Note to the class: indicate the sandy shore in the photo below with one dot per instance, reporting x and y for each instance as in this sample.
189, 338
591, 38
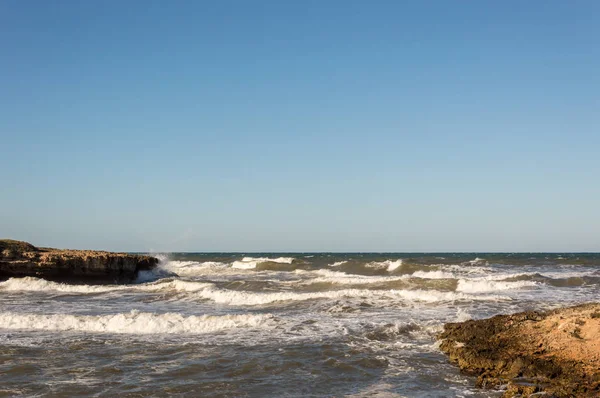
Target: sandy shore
554, 353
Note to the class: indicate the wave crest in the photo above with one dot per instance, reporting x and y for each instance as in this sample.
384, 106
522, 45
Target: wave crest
484, 286
252, 262
245, 298
388, 265
133, 322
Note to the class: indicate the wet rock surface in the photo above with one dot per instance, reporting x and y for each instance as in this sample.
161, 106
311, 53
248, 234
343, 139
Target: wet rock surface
555, 353
23, 259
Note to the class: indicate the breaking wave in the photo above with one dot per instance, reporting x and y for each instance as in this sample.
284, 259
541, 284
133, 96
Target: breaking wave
252, 262
193, 268
433, 275
484, 286
245, 298
208, 290
31, 284
133, 322
342, 278
388, 265
477, 261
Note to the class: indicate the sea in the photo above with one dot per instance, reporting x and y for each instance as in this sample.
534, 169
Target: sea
273, 324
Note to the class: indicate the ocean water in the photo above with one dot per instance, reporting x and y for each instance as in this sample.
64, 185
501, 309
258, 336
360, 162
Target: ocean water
272, 325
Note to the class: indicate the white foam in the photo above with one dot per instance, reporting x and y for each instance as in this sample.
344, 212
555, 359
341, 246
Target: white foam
285, 260
342, 278
389, 265
252, 262
175, 264
194, 268
393, 265
177, 285
462, 315
245, 298
163, 258
501, 277
471, 277
492, 277
244, 264
29, 283
133, 322
467, 269
433, 275
208, 291
483, 286
477, 260
338, 263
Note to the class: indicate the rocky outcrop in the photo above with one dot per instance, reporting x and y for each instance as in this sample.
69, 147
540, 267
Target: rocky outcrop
23, 259
554, 353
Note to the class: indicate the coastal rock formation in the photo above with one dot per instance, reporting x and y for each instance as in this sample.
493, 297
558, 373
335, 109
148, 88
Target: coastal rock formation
555, 353
23, 259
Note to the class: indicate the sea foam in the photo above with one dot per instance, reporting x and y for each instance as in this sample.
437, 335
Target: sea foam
484, 286
193, 268
252, 262
246, 298
31, 284
433, 275
133, 322
208, 291
338, 263
388, 265
342, 278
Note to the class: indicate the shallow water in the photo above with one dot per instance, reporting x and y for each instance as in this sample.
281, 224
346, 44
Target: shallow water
358, 325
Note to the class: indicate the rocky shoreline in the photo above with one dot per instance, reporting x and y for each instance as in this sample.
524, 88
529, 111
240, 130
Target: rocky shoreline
554, 353
18, 259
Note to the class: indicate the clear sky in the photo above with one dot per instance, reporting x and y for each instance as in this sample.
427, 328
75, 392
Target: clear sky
301, 125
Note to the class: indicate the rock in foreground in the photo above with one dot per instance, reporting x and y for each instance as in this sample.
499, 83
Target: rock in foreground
554, 353
23, 259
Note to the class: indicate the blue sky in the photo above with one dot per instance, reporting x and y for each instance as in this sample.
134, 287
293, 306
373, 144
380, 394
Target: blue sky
301, 126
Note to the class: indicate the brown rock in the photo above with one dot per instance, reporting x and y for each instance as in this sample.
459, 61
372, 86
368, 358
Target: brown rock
552, 352
23, 259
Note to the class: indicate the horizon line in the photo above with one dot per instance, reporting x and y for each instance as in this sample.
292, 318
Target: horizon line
368, 252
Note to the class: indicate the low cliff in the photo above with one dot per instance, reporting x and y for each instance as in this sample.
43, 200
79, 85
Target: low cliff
23, 259
555, 353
